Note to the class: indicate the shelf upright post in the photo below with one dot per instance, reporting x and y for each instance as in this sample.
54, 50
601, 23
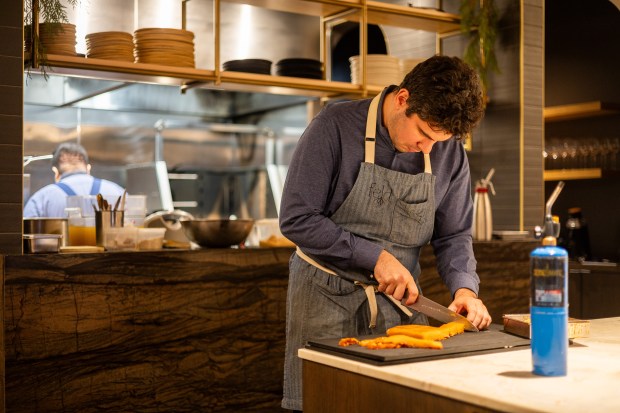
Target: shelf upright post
325, 48
216, 38
34, 35
364, 46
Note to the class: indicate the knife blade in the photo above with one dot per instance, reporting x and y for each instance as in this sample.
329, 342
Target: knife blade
439, 312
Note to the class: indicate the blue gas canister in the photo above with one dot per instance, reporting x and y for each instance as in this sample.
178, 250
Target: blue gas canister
549, 308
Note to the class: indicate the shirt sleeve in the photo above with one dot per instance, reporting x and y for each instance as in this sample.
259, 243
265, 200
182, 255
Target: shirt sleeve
452, 240
311, 179
32, 208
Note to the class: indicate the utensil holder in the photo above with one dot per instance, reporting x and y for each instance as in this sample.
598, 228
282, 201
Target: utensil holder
105, 220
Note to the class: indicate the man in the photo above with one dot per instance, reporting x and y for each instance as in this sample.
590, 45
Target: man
363, 193
72, 177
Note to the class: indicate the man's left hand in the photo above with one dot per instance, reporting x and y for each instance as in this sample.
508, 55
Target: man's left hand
466, 301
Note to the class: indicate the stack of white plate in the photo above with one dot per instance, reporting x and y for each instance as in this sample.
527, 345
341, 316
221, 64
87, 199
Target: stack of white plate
381, 70
406, 65
57, 38
110, 45
170, 47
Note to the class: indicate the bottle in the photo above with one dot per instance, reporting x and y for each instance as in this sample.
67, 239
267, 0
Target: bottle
482, 228
549, 308
577, 238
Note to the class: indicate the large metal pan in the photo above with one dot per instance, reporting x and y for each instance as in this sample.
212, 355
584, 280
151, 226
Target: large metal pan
217, 233
48, 226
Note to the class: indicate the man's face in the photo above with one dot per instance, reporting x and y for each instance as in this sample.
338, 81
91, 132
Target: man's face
411, 134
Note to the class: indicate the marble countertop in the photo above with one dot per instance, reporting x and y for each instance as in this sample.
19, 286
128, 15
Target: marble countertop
503, 381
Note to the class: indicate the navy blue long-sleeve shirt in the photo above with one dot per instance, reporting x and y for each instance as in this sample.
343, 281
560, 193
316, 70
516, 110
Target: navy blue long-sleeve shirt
324, 168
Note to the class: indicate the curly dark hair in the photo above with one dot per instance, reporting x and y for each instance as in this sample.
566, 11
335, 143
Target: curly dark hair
445, 92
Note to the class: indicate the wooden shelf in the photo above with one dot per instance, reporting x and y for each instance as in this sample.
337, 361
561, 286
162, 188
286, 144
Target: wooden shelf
318, 8
580, 110
285, 85
207, 79
412, 17
125, 71
572, 174
378, 13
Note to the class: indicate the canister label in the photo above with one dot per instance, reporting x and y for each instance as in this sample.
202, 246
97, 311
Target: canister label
548, 281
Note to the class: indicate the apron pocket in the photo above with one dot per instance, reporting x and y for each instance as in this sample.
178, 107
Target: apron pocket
412, 224
333, 305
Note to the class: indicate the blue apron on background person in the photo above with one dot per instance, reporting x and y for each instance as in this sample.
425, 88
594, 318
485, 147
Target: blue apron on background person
94, 189
394, 209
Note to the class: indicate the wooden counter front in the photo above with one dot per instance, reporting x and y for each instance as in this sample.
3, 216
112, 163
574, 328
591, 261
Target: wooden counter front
181, 331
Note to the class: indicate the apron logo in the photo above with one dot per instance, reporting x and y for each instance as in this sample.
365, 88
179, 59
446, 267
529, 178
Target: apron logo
379, 195
418, 216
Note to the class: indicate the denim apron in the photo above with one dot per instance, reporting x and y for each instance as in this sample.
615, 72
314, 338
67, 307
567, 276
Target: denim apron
393, 209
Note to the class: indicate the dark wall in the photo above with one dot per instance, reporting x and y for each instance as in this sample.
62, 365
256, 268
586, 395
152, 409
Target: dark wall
510, 137
11, 121
582, 56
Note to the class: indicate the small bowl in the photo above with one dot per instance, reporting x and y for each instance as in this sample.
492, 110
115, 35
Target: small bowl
217, 233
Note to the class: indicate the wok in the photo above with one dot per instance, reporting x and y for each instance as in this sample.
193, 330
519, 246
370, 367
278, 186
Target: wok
217, 233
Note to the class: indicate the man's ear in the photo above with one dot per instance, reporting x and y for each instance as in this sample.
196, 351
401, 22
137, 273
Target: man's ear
401, 96
88, 169
56, 174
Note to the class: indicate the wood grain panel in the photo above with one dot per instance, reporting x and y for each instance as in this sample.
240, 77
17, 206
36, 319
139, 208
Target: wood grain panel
331, 390
142, 332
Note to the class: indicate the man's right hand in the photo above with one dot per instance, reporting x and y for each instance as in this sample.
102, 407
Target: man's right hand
394, 279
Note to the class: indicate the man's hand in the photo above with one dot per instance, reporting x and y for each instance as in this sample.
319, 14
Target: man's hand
466, 301
394, 279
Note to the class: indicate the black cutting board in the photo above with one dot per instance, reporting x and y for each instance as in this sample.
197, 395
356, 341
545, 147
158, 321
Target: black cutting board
466, 344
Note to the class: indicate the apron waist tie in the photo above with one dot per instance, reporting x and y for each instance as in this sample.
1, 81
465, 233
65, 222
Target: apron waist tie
369, 289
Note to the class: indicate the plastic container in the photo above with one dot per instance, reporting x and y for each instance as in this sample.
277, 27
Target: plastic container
266, 234
135, 210
549, 309
120, 239
150, 239
82, 231
135, 205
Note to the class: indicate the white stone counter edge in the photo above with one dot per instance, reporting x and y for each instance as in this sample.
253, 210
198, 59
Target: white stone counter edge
503, 381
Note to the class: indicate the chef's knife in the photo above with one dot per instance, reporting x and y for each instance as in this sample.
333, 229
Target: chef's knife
440, 313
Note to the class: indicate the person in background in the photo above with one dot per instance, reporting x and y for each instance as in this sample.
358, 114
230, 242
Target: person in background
361, 199
72, 177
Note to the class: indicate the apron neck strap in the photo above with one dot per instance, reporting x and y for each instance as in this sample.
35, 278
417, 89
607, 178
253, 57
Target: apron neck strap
371, 132
427, 163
